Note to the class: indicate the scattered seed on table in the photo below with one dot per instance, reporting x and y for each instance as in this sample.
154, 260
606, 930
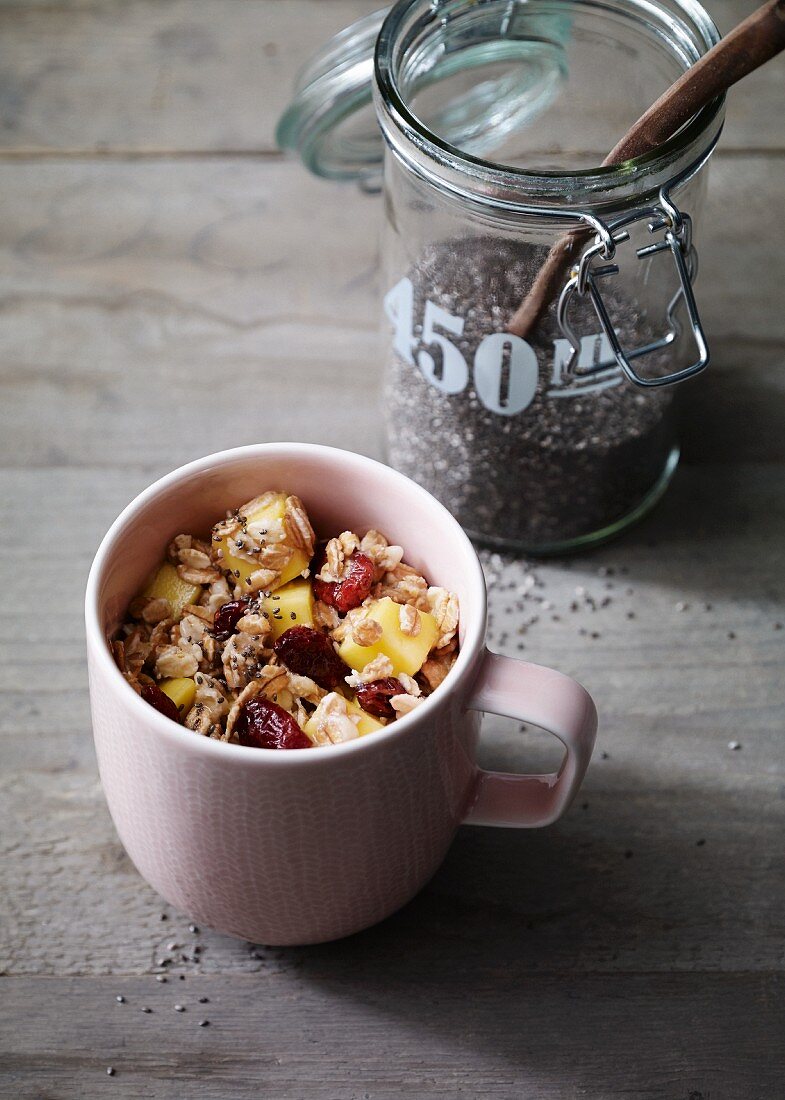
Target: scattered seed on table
160, 977
204, 1000
192, 928
681, 606
163, 916
204, 1023
146, 1009
630, 614
699, 843
778, 626
731, 635
182, 977
172, 946
734, 745
110, 1071
120, 999
162, 962
179, 1008
605, 756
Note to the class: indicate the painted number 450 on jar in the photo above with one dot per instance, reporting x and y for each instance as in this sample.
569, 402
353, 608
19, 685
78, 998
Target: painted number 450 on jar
504, 370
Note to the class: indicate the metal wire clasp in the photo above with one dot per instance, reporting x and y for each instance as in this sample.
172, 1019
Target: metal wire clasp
676, 227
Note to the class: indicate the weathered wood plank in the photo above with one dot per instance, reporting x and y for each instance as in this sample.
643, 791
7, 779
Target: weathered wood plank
672, 691
345, 1023
127, 290
189, 76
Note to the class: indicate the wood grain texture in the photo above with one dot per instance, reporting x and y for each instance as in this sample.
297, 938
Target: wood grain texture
632, 950
128, 288
463, 1034
213, 76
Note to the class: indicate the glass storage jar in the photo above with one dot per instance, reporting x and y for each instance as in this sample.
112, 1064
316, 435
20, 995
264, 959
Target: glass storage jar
495, 115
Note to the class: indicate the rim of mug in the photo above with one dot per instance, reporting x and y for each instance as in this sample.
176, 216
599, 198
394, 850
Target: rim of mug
474, 633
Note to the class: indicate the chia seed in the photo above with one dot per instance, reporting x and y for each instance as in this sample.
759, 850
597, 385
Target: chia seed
563, 467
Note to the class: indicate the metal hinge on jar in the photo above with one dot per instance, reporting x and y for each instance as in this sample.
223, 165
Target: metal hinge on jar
676, 228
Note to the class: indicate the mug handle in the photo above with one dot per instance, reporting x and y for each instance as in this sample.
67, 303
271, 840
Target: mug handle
544, 698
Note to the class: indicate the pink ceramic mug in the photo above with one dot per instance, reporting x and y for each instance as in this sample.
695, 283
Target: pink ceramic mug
300, 847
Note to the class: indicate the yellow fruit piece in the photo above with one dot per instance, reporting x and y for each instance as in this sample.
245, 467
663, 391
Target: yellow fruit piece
182, 692
168, 585
406, 653
271, 513
291, 605
367, 723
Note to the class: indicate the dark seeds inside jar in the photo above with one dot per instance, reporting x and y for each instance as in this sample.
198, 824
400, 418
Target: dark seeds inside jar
563, 467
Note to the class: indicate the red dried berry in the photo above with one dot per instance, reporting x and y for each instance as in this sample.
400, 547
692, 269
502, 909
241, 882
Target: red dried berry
227, 617
324, 591
262, 724
308, 652
153, 695
375, 697
350, 592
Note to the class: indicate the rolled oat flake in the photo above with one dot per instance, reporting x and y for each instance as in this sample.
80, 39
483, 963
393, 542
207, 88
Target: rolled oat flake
544, 420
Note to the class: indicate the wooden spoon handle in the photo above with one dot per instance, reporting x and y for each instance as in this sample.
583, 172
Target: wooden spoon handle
751, 44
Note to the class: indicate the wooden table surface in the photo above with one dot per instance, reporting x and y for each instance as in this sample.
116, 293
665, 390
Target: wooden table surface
153, 243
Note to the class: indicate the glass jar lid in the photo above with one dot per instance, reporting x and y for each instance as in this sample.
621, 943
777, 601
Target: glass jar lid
331, 123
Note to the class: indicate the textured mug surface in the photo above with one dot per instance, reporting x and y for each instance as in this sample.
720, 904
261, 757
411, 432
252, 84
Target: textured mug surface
304, 846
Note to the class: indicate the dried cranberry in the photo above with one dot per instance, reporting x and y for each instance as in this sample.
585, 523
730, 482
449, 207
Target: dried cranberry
375, 697
262, 724
153, 695
308, 652
227, 617
324, 590
350, 592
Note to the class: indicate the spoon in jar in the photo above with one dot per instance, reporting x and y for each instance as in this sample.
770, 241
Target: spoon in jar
748, 46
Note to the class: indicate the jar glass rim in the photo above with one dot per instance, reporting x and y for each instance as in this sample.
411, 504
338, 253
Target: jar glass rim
696, 137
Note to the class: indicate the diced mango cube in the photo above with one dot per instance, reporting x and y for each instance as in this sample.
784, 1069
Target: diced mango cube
273, 513
182, 691
291, 605
167, 584
366, 724
407, 654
